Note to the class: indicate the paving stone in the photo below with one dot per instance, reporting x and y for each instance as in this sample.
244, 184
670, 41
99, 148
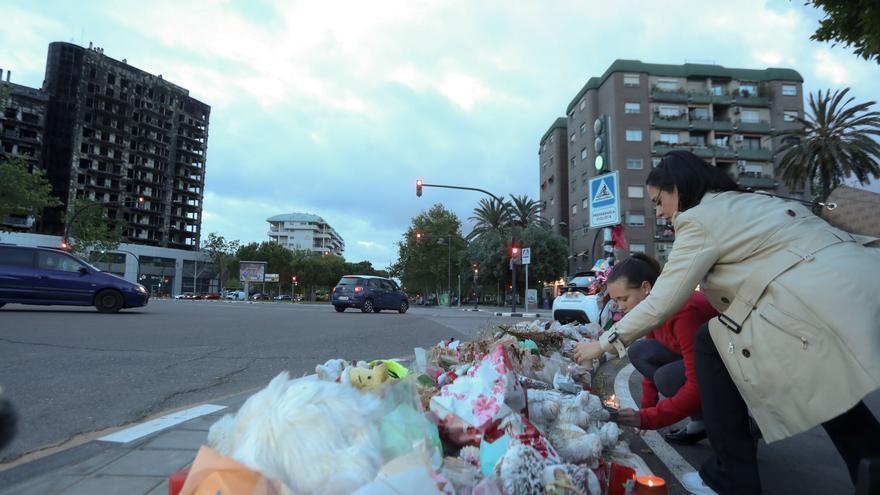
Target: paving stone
42, 485
93, 464
177, 439
129, 485
199, 424
149, 463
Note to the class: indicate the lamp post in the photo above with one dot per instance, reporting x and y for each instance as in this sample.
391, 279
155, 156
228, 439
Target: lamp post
136, 259
66, 236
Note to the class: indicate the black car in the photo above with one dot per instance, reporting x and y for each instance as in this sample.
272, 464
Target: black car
47, 276
369, 294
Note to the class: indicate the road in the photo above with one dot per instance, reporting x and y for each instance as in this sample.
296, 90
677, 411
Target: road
72, 372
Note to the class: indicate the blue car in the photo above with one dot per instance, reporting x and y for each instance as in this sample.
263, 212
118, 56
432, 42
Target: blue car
368, 293
47, 276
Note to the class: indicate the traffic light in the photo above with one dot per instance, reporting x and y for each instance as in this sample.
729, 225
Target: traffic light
476, 268
326, 253
419, 188
602, 144
65, 245
419, 236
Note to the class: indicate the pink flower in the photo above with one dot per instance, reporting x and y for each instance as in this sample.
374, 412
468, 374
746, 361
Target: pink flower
484, 408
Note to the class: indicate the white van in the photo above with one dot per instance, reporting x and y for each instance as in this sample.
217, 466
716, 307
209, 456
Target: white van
236, 295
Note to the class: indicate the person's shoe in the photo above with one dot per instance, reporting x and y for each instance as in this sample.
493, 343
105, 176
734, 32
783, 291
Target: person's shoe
682, 437
693, 483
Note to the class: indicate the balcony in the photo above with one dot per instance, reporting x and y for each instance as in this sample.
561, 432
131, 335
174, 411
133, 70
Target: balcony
752, 101
700, 124
670, 122
760, 154
761, 127
724, 152
723, 125
678, 96
756, 182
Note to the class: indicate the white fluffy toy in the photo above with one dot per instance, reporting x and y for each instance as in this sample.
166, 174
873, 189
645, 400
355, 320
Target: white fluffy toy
315, 436
569, 422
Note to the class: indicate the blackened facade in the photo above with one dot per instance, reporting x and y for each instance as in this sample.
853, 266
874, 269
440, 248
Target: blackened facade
131, 140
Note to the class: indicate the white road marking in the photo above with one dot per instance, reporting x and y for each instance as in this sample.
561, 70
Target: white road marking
667, 455
149, 427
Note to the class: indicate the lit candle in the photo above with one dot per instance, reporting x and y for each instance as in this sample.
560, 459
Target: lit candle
650, 485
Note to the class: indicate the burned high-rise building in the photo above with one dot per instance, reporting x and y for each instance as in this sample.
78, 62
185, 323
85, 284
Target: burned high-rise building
128, 139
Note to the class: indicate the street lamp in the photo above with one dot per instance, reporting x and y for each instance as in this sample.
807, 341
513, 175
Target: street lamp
65, 241
136, 258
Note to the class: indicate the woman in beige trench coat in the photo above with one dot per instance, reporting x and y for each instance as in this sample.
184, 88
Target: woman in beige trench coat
798, 339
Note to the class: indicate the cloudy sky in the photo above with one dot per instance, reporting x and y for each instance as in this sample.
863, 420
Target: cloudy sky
335, 108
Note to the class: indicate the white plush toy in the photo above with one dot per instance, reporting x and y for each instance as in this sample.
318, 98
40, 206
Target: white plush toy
566, 420
331, 371
314, 436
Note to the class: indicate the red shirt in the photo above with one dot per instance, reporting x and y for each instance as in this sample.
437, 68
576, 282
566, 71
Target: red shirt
677, 335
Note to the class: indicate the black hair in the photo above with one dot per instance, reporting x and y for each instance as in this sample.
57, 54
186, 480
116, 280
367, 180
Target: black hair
635, 270
691, 176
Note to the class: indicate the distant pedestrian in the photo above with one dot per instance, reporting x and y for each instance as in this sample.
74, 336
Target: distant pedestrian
798, 340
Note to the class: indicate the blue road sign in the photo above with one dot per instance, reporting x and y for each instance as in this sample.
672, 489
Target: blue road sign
604, 200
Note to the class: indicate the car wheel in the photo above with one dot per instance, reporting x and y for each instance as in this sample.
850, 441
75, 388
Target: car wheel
339, 309
404, 306
108, 301
368, 306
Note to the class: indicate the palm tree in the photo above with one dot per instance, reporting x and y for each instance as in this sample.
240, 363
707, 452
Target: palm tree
525, 212
836, 141
490, 216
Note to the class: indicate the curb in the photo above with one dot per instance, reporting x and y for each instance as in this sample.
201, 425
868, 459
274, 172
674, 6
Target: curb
520, 315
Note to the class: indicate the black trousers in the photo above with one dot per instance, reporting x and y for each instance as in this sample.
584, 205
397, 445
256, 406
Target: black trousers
733, 469
659, 365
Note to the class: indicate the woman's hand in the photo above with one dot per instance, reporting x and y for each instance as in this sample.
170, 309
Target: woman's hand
629, 417
585, 352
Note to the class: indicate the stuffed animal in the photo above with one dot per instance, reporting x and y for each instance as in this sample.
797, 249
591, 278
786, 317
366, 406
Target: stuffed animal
569, 422
521, 470
331, 370
314, 436
367, 380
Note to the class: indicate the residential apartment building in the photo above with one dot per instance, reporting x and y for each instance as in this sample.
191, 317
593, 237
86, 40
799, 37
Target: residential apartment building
22, 125
726, 116
553, 163
305, 232
127, 139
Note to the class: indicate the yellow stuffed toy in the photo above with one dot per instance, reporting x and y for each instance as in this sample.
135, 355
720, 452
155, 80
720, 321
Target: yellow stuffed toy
367, 380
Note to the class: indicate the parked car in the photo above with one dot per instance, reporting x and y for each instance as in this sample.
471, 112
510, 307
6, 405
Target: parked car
260, 297
236, 295
369, 294
49, 276
282, 297
580, 300
208, 296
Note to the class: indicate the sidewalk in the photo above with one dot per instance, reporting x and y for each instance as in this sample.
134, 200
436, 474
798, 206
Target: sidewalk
140, 467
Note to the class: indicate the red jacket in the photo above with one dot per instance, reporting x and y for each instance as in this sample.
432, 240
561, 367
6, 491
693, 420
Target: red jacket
677, 335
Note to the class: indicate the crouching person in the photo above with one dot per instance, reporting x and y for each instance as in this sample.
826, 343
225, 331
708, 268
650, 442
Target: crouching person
665, 357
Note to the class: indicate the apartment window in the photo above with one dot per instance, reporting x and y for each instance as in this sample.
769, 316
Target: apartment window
722, 141
789, 90
717, 89
631, 80
573, 185
669, 111
574, 209
635, 219
790, 115
667, 84
636, 248
748, 89
583, 103
571, 163
753, 169
635, 192
583, 153
752, 143
750, 116
633, 135
551, 139
584, 203
544, 166
573, 137
631, 107
699, 113
584, 128
635, 164
669, 137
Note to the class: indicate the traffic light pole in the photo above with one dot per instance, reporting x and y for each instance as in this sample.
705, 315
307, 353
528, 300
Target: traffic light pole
513, 286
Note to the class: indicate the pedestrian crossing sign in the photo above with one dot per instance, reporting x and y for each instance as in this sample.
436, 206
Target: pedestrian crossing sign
604, 200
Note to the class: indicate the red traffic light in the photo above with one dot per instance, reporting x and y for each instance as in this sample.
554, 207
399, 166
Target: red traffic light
293, 278
326, 253
515, 250
419, 236
419, 188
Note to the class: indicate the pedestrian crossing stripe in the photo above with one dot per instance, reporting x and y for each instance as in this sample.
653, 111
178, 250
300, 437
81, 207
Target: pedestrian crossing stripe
604, 193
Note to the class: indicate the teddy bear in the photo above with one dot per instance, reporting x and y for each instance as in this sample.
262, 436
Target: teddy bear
367, 380
331, 370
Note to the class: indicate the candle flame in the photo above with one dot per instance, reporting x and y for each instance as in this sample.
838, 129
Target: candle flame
650, 482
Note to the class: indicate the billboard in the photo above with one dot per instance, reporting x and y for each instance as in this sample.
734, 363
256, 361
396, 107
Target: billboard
252, 271
271, 277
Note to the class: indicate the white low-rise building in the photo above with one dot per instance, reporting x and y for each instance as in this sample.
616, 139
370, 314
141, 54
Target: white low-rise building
305, 232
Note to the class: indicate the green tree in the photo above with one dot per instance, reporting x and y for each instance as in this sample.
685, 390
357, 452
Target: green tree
853, 23
423, 255
22, 191
89, 230
222, 253
525, 212
490, 216
836, 141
